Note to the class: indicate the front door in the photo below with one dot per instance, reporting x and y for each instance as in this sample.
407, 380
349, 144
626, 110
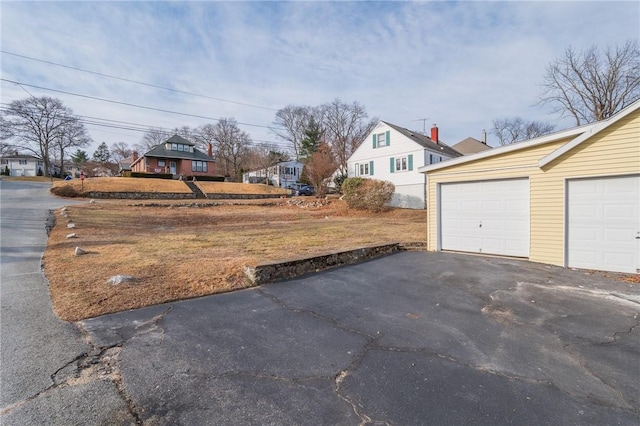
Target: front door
172, 167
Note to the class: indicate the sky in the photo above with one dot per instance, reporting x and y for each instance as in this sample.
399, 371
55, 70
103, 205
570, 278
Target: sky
458, 65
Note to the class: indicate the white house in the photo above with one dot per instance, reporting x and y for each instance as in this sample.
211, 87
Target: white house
281, 174
394, 154
21, 165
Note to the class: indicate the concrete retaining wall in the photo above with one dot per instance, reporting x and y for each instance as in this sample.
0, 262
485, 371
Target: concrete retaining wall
277, 271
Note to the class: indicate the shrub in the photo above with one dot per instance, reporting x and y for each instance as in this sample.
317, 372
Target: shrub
152, 175
367, 194
66, 191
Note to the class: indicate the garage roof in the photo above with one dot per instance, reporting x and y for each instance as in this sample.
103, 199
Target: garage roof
581, 134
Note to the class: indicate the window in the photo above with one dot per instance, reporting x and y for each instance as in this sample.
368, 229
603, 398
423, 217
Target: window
435, 158
161, 163
364, 169
198, 166
381, 139
23, 162
4, 161
401, 164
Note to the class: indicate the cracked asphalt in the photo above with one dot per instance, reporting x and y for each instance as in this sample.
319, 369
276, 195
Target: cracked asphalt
408, 339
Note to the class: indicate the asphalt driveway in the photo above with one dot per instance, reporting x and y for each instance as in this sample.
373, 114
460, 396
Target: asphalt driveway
408, 339
412, 338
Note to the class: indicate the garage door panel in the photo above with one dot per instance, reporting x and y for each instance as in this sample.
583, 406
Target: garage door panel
603, 221
485, 217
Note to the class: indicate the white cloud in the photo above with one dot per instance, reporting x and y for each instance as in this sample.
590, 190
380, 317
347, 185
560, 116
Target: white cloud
462, 64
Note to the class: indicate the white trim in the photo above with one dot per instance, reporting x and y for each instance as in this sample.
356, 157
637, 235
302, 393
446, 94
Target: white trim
597, 128
507, 148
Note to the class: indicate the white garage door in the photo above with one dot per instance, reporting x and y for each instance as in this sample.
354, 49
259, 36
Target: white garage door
485, 217
604, 224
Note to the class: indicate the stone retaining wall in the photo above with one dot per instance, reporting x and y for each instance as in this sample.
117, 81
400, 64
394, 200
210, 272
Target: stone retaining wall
243, 196
277, 271
144, 195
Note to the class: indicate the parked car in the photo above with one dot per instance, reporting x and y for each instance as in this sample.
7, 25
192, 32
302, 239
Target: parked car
306, 190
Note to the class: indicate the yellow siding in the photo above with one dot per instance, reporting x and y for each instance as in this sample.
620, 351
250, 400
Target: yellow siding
614, 151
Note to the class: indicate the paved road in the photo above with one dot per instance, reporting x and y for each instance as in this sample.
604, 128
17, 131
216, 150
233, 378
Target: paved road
37, 350
413, 338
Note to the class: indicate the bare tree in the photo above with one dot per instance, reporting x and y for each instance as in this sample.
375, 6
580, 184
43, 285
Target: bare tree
6, 133
37, 123
319, 168
510, 130
263, 157
205, 135
346, 126
184, 131
593, 84
232, 147
120, 151
292, 121
73, 136
153, 137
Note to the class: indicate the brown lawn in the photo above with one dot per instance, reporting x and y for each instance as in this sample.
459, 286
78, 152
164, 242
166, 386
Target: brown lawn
178, 252
123, 184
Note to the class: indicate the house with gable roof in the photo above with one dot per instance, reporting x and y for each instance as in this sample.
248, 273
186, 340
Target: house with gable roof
177, 156
394, 154
17, 164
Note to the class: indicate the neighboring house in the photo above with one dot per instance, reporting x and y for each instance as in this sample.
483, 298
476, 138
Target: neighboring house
124, 165
394, 154
177, 156
571, 198
281, 174
71, 169
21, 165
470, 146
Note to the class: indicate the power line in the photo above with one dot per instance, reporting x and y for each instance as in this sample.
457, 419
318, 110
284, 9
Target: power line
136, 127
136, 82
128, 104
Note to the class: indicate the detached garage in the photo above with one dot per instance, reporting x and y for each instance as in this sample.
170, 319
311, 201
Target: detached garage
571, 198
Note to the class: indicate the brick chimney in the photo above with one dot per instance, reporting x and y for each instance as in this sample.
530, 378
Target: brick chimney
135, 156
434, 133
210, 150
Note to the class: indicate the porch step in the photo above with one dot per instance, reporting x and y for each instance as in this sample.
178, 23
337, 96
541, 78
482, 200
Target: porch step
194, 188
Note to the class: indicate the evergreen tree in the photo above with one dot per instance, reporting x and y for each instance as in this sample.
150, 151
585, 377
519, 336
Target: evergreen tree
79, 158
102, 154
311, 139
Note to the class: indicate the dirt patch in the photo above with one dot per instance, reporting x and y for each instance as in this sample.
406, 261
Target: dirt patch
184, 250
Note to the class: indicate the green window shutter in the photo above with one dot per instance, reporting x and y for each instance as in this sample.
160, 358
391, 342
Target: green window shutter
371, 167
388, 137
374, 141
410, 161
392, 164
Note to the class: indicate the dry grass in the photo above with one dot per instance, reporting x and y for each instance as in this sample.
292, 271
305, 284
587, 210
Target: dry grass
122, 184
179, 252
239, 188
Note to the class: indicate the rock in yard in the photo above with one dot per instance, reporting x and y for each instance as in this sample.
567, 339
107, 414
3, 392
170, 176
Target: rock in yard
92, 201
79, 251
72, 235
119, 279
71, 225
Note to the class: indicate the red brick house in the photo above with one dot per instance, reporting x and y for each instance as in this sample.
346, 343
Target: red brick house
177, 156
